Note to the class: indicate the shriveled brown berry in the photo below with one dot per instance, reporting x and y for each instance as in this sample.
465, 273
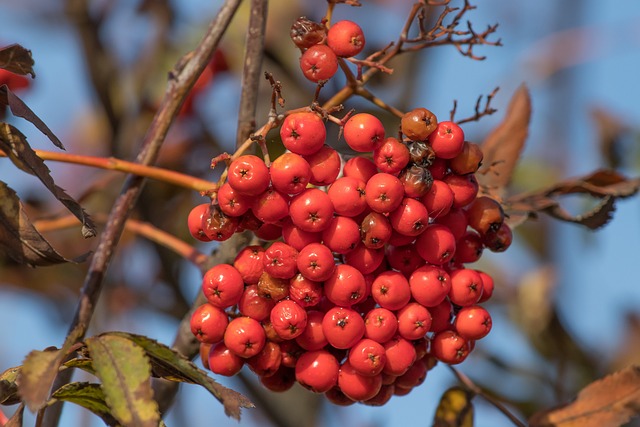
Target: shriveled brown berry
375, 230
418, 124
273, 288
500, 240
416, 180
468, 161
218, 226
485, 215
306, 33
421, 153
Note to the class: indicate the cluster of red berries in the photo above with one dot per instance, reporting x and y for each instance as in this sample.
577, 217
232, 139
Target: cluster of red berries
365, 286
321, 48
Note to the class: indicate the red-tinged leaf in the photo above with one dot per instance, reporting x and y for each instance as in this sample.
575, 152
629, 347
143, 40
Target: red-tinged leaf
15, 145
19, 239
20, 109
503, 146
455, 409
89, 396
611, 401
17, 59
16, 419
604, 185
171, 365
125, 373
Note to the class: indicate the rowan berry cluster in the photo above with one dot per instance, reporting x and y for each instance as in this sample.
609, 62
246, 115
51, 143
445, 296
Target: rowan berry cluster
361, 285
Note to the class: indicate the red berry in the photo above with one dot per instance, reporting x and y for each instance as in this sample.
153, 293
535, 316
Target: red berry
436, 244
231, 202
391, 290
345, 38
414, 321
348, 196
319, 62
346, 286
311, 210
312, 338
384, 192
223, 286
248, 175
469, 248
342, 235
254, 305
466, 287
223, 361
363, 132
487, 286
325, 166
410, 218
249, 264
391, 156
342, 327
280, 261
270, 206
400, 356
305, 292
218, 226
282, 380
317, 370
267, 362
245, 337
195, 220
303, 133
405, 259
464, 188
449, 347
364, 259
439, 199
472, 323
447, 140
296, 237
500, 240
367, 357
288, 319
290, 173
441, 316
380, 325
429, 285
208, 323
356, 386
375, 230
315, 262
360, 168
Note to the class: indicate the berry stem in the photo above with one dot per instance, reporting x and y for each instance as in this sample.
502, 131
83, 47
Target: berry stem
479, 391
111, 163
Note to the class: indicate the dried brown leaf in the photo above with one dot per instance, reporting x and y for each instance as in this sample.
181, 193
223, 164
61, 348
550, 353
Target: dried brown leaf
503, 146
15, 145
604, 184
611, 401
18, 237
16, 419
17, 59
20, 109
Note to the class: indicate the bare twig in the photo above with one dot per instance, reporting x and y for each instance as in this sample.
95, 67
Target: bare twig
479, 112
252, 68
181, 80
480, 392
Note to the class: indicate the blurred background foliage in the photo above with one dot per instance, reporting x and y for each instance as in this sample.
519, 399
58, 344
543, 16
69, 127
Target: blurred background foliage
566, 304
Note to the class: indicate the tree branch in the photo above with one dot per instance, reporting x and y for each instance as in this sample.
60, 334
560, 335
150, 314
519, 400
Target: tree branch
181, 80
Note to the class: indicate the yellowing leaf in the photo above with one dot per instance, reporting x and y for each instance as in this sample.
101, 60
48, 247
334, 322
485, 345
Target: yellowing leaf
455, 409
611, 401
89, 396
125, 372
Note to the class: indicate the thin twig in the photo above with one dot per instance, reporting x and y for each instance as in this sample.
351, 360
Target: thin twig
111, 163
181, 80
479, 391
252, 69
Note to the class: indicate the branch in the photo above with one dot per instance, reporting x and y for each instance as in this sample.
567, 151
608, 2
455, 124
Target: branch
479, 113
181, 80
111, 163
479, 391
252, 70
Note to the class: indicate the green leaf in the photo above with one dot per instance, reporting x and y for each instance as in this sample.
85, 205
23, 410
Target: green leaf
455, 409
81, 363
88, 395
9, 387
169, 364
125, 372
